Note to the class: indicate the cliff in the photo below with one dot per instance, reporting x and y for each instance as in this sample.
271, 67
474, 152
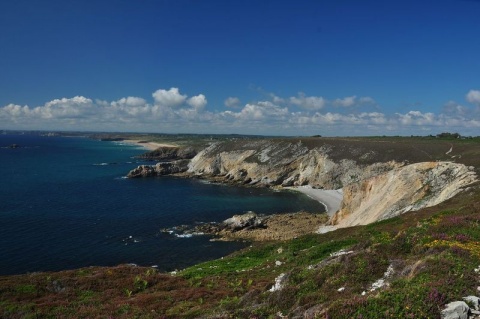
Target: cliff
379, 179
403, 189
282, 163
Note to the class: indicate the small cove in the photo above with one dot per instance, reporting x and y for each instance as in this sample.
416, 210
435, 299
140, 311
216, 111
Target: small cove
65, 204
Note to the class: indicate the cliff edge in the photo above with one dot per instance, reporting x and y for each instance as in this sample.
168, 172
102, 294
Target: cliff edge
379, 178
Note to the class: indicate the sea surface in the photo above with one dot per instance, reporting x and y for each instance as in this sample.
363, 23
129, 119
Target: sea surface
65, 203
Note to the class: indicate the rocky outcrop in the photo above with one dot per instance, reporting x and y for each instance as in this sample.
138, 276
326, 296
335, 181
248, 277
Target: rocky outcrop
253, 227
162, 168
377, 180
400, 190
271, 163
238, 222
458, 310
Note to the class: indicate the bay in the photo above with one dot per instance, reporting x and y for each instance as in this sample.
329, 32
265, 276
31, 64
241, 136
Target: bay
65, 203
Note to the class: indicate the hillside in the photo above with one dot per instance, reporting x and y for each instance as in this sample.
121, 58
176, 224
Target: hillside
408, 266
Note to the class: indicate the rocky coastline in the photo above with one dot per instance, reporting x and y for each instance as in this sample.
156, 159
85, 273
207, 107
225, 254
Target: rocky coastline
359, 183
253, 227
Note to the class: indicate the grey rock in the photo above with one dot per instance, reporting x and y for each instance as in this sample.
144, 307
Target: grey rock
248, 220
455, 310
162, 168
474, 301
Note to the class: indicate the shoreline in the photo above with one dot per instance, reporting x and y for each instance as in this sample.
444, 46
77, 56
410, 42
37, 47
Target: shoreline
331, 198
151, 146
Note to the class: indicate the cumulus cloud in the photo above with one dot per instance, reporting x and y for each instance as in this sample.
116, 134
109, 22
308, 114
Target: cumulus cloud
417, 118
172, 111
473, 96
264, 110
169, 98
311, 103
232, 102
346, 101
75, 107
198, 101
14, 110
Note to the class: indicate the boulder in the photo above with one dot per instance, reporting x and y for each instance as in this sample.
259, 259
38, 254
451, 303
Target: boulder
474, 301
455, 310
238, 222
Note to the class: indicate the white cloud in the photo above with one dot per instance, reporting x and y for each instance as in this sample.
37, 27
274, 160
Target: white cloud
311, 103
14, 110
75, 107
454, 109
264, 110
170, 98
198, 101
232, 102
130, 101
346, 101
366, 100
473, 96
171, 111
417, 118
276, 99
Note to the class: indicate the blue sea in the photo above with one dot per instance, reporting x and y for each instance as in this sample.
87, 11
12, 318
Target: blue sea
65, 203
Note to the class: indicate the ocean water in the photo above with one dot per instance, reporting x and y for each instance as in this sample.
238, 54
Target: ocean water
65, 204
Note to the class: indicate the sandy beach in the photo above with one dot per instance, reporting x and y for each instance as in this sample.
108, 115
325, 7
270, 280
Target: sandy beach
151, 146
331, 199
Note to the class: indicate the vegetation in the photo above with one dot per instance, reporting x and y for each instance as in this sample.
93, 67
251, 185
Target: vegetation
433, 254
405, 267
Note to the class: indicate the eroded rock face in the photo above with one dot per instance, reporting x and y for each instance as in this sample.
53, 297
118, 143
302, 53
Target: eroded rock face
375, 185
267, 163
403, 189
162, 168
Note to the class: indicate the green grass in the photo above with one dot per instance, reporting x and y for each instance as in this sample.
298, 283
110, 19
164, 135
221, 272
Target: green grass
433, 252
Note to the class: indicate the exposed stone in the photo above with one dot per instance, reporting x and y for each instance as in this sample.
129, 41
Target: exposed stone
162, 168
455, 310
403, 189
375, 185
474, 301
279, 283
248, 220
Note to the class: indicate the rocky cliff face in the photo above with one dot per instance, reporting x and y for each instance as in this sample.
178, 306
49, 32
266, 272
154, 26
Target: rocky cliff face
162, 168
376, 178
271, 163
403, 189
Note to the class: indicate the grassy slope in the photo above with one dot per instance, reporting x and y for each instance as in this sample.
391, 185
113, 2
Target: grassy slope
434, 253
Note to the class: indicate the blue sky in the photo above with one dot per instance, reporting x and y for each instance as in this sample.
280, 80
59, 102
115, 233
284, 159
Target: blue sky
300, 67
